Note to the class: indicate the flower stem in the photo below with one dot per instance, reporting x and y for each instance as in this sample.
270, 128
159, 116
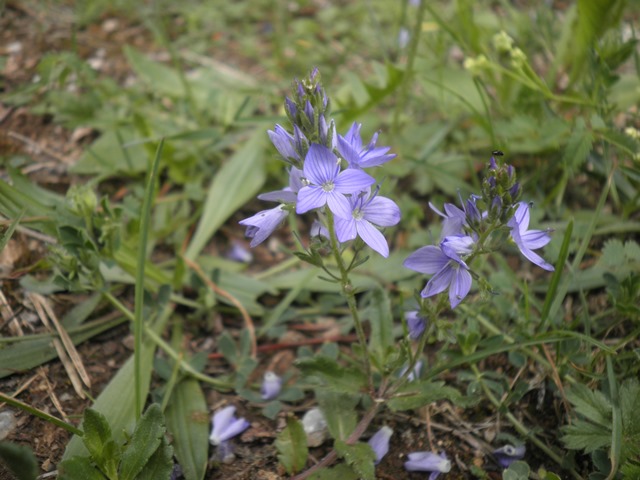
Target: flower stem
349, 293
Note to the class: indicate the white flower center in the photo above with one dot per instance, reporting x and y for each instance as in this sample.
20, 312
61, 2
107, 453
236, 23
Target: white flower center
328, 187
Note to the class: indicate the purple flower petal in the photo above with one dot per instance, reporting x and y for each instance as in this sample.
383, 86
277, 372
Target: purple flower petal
439, 282
429, 260
372, 237
528, 240
338, 204
460, 286
263, 223
320, 165
226, 426
508, 454
415, 323
428, 462
382, 211
271, 386
379, 442
310, 197
353, 181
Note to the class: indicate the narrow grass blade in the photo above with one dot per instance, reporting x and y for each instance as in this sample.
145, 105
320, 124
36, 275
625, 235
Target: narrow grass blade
557, 274
145, 219
188, 422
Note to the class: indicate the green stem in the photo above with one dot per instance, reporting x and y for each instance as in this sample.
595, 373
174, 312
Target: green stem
155, 338
349, 292
520, 428
39, 413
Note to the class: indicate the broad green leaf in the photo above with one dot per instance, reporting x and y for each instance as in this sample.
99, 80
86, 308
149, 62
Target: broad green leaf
20, 461
334, 376
381, 320
359, 456
116, 402
160, 465
516, 471
146, 439
161, 78
340, 412
418, 394
114, 152
292, 446
233, 186
188, 422
587, 436
79, 467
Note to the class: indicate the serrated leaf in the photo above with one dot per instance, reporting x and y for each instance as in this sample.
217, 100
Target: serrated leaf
78, 467
188, 422
339, 410
360, 457
145, 440
591, 404
587, 436
418, 394
333, 375
160, 465
579, 145
97, 439
292, 446
233, 185
20, 460
96, 432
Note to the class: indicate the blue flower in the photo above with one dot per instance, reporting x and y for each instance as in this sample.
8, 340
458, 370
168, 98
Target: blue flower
289, 146
529, 240
508, 454
367, 211
271, 386
446, 266
428, 462
380, 443
288, 194
226, 426
357, 156
263, 223
415, 323
327, 184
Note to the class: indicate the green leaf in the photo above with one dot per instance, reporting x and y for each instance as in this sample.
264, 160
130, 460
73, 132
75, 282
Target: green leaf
359, 456
78, 467
232, 187
145, 440
160, 465
161, 78
340, 412
188, 422
579, 145
20, 460
292, 446
381, 320
591, 404
587, 436
418, 394
333, 375
516, 471
97, 439
342, 471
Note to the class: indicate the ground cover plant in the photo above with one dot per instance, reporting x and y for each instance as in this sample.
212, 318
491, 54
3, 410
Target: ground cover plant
439, 277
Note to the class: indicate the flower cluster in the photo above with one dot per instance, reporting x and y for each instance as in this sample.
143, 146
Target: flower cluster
467, 231
326, 174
